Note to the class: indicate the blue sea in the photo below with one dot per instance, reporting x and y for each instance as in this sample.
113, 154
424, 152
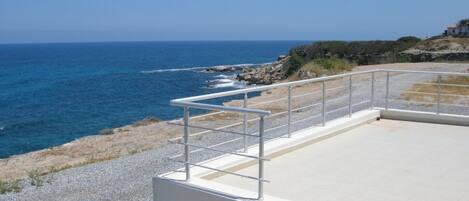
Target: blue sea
51, 94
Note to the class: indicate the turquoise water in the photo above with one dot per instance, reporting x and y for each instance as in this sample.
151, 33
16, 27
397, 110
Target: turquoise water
51, 94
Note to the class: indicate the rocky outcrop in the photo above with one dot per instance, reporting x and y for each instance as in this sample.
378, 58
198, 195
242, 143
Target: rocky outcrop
439, 49
267, 74
217, 69
427, 56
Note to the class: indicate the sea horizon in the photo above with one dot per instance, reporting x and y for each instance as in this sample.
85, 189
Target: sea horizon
162, 41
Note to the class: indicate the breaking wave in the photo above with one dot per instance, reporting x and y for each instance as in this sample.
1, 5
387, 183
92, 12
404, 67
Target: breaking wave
199, 68
225, 81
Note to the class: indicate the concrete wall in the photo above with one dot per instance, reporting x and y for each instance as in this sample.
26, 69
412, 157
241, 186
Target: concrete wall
173, 190
425, 117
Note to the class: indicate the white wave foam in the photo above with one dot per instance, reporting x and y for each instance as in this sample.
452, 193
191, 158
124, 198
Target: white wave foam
202, 68
224, 76
224, 80
233, 84
225, 83
173, 70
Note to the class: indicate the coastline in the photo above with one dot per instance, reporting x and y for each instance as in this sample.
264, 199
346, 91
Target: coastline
130, 139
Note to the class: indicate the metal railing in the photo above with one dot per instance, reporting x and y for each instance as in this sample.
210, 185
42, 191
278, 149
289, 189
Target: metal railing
260, 115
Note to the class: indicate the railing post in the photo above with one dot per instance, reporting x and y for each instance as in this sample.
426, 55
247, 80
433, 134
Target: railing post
323, 103
289, 110
245, 123
372, 90
438, 103
186, 142
261, 159
350, 96
387, 91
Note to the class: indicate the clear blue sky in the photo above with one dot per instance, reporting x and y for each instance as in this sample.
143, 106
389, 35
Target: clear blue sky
25, 21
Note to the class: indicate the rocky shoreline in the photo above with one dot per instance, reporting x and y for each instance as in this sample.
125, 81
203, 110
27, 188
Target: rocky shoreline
267, 74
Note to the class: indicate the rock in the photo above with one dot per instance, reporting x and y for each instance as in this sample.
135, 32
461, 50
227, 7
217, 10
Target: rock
217, 69
303, 74
439, 49
281, 57
266, 74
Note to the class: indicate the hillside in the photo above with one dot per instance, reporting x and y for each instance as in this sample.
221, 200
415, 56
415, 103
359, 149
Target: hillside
440, 49
331, 57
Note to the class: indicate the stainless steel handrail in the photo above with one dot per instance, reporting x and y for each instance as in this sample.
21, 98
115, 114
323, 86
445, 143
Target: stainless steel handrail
190, 102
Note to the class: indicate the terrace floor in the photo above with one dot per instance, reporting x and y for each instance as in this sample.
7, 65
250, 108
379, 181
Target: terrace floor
383, 160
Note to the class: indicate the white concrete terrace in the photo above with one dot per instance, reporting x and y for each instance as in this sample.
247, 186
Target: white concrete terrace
357, 158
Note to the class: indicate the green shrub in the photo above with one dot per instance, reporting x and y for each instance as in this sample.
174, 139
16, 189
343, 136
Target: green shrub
35, 177
295, 62
409, 39
358, 52
10, 186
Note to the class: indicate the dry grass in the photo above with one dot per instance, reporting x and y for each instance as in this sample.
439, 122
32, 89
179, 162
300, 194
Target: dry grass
221, 116
448, 89
127, 140
147, 121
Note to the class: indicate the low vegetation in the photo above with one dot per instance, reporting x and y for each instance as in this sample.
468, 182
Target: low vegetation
10, 186
35, 177
147, 121
337, 53
328, 66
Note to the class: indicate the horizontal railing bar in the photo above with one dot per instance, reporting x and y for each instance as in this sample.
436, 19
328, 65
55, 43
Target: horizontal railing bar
266, 87
274, 128
454, 95
223, 127
425, 72
214, 129
434, 94
223, 171
307, 118
220, 107
455, 105
307, 106
346, 107
203, 132
429, 103
240, 123
418, 83
454, 85
211, 146
265, 102
205, 115
336, 88
418, 92
221, 151
417, 102
442, 84
306, 94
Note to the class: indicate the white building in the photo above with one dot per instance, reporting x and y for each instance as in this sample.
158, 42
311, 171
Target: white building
462, 29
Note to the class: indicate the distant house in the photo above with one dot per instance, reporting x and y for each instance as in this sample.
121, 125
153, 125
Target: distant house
461, 29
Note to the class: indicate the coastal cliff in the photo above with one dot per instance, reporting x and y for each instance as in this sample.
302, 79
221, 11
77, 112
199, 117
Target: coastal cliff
332, 57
